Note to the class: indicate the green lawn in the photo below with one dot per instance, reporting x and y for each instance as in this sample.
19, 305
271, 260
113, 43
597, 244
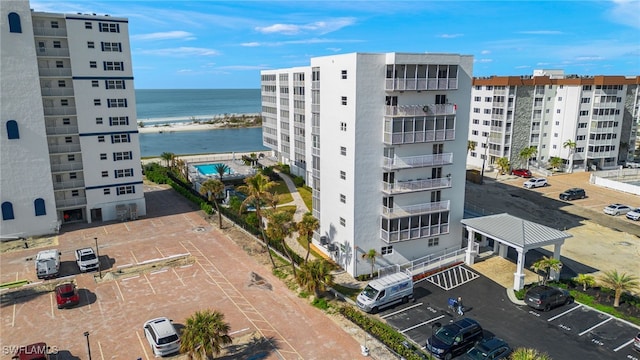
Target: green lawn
306, 195
283, 192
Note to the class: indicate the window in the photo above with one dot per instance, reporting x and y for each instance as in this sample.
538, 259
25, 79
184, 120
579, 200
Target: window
59, 64
386, 250
96, 102
123, 173
91, 45
113, 65
109, 27
88, 25
343, 222
116, 103
95, 83
12, 130
62, 83
582, 125
344, 100
559, 98
64, 102
477, 98
118, 120
343, 151
103, 156
433, 242
57, 44
105, 174
129, 189
123, 155
100, 138
111, 46
474, 132
7, 211
557, 122
344, 74
343, 198
93, 64
119, 138
106, 191
476, 110
14, 27
68, 139
343, 126
114, 84
71, 158
486, 122
38, 205
55, 25
343, 175
476, 121
558, 111
66, 121
99, 121
73, 175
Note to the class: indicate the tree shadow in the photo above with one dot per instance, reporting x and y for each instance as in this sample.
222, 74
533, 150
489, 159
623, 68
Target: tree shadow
257, 348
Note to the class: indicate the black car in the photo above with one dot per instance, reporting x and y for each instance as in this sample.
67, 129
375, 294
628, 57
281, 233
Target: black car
573, 194
493, 348
545, 298
454, 339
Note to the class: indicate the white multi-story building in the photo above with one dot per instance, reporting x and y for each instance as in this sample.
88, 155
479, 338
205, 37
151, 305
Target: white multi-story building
69, 148
550, 111
381, 139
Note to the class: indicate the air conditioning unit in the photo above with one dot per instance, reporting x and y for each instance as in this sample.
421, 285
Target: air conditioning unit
332, 247
324, 240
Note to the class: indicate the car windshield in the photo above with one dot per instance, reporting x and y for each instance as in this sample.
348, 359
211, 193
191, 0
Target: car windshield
67, 294
476, 354
446, 334
370, 292
168, 339
88, 257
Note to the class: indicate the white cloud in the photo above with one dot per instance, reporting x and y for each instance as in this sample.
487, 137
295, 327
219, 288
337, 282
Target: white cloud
541, 32
523, 67
250, 44
622, 12
450, 36
484, 60
168, 35
185, 71
243, 67
319, 27
181, 52
334, 49
299, 42
485, 52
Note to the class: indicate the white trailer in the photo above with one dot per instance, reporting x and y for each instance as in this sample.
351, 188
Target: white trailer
48, 264
386, 291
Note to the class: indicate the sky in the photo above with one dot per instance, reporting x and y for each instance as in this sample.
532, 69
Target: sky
190, 44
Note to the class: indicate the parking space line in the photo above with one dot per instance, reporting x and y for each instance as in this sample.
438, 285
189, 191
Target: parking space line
566, 312
131, 277
120, 291
238, 331
179, 278
623, 345
142, 346
158, 272
149, 282
134, 257
421, 324
159, 251
127, 227
53, 315
399, 311
100, 348
13, 320
595, 326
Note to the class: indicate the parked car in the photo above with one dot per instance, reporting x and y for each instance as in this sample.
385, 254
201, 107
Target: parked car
493, 348
545, 298
521, 172
162, 336
573, 194
616, 209
37, 351
535, 182
634, 214
636, 343
86, 259
454, 339
67, 295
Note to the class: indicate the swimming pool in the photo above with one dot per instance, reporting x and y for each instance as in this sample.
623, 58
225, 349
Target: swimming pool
210, 169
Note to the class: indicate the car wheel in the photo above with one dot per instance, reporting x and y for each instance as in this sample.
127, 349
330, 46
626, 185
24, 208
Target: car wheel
447, 357
405, 299
375, 310
547, 307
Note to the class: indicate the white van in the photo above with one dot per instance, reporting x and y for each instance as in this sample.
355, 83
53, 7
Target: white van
386, 291
48, 264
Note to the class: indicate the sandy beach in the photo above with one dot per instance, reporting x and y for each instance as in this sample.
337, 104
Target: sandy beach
196, 123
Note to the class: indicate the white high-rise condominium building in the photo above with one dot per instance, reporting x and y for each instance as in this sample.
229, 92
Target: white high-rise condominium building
589, 122
381, 139
69, 148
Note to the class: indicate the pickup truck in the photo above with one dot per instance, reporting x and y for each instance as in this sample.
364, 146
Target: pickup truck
86, 259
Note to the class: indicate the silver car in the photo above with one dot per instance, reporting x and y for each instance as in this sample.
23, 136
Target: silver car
162, 336
535, 182
616, 209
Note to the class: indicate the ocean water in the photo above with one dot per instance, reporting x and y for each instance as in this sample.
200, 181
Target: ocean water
174, 106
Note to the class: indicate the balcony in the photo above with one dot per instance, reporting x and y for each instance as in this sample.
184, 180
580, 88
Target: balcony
55, 72
65, 203
59, 110
497, 129
415, 137
420, 84
57, 52
408, 186
62, 130
398, 211
420, 110
413, 234
48, 31
72, 166
68, 185
57, 91
66, 148
417, 161
601, 154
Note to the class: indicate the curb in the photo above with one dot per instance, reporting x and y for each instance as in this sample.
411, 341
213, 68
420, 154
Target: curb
512, 297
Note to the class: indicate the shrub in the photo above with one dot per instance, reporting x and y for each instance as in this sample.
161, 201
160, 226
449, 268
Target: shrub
298, 181
320, 303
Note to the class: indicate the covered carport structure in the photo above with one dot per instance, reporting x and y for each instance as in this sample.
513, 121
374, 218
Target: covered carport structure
510, 231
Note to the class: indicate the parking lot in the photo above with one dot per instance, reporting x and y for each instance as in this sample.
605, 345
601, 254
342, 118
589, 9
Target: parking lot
573, 331
219, 275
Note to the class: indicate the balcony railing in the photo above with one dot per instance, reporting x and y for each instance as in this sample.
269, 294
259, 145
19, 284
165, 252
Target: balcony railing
62, 130
418, 137
399, 211
57, 91
60, 110
61, 52
70, 184
603, 130
496, 128
48, 31
67, 148
601, 154
66, 167
64, 203
408, 186
413, 234
421, 84
420, 110
417, 161
54, 72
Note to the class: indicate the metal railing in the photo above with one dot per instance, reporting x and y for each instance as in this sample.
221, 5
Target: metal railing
425, 208
67, 148
54, 71
49, 31
413, 137
413, 234
405, 186
45, 51
402, 84
70, 184
57, 91
60, 110
62, 130
420, 110
66, 167
433, 261
62, 203
417, 161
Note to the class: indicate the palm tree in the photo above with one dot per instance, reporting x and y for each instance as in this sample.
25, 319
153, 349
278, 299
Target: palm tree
547, 265
221, 169
572, 149
306, 227
315, 276
471, 145
257, 191
280, 226
585, 280
528, 354
371, 256
167, 156
503, 165
204, 334
527, 153
619, 283
555, 162
211, 188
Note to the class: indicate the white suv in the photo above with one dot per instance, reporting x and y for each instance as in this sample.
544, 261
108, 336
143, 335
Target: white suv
535, 182
162, 336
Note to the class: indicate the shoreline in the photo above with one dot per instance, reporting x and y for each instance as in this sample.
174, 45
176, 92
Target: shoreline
196, 123
169, 128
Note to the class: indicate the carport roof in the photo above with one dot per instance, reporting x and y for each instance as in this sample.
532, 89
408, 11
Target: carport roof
515, 231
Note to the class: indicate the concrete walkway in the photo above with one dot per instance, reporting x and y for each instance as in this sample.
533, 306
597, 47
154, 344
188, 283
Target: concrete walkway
301, 209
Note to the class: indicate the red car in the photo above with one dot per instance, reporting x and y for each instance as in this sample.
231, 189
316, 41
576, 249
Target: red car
67, 295
38, 351
521, 172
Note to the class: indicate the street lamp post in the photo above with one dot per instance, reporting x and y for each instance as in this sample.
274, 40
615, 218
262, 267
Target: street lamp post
484, 160
86, 335
98, 255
